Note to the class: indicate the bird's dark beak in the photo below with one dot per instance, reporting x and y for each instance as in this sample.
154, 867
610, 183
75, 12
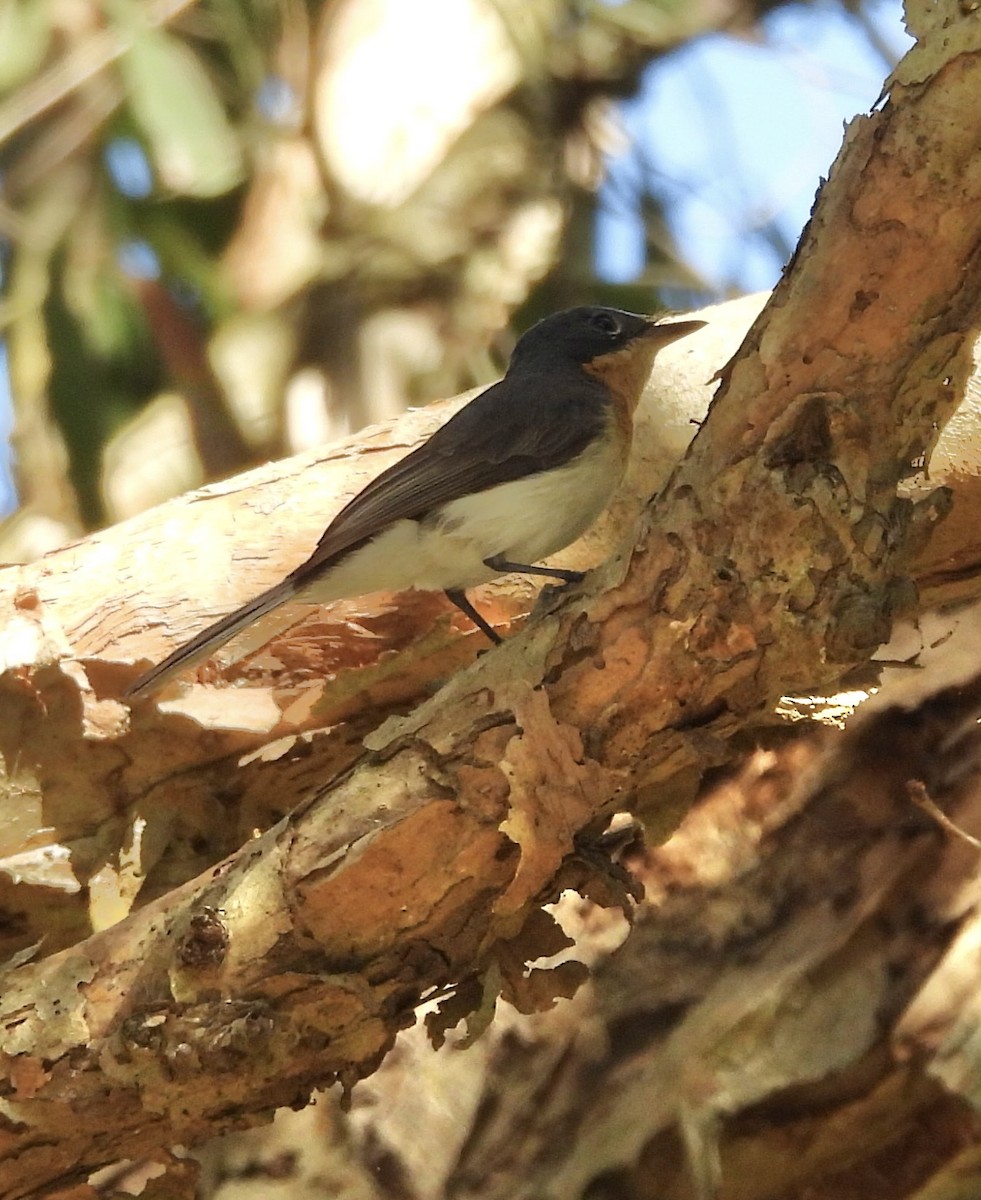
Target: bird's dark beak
663, 333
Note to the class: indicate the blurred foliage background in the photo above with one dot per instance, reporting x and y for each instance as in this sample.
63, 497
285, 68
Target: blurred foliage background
234, 229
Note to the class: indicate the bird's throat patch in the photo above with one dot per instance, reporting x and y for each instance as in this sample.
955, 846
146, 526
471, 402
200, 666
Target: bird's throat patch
624, 372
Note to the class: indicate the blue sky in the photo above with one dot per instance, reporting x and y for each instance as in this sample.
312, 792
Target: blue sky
732, 135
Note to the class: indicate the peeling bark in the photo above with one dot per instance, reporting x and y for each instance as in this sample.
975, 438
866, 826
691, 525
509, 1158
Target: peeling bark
778, 1019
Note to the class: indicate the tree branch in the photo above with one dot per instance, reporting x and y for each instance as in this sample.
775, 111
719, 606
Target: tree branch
774, 561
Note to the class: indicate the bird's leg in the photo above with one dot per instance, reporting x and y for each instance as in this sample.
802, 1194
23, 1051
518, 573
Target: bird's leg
499, 563
459, 597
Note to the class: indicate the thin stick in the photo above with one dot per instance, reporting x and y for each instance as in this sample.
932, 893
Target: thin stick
916, 789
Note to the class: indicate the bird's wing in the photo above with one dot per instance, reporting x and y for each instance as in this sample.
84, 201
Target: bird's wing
503, 434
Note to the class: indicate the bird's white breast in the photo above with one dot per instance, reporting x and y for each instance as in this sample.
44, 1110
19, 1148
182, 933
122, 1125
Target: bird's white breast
524, 521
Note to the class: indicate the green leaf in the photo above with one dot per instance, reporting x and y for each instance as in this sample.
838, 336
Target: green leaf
24, 36
193, 146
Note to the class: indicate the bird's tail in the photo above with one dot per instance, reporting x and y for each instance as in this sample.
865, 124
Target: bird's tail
199, 648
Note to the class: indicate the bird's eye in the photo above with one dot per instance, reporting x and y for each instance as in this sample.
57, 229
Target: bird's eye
606, 323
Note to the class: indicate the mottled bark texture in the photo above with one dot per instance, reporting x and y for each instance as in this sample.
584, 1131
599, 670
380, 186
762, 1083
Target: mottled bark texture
773, 562
792, 1014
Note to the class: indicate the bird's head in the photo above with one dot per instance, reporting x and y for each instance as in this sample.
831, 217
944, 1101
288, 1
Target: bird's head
582, 335
616, 347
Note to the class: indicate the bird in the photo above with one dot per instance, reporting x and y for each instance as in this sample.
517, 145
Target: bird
518, 473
